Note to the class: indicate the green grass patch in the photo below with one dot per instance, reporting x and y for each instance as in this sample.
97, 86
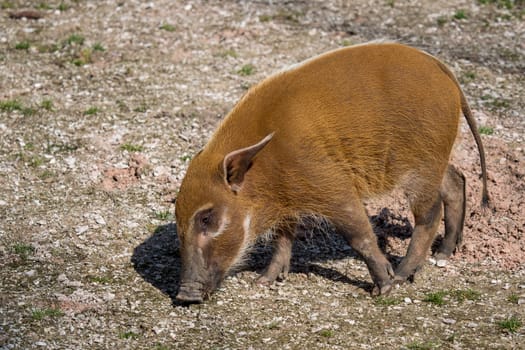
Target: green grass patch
23, 250
48, 48
164, 215
14, 105
247, 69
40, 314
486, 130
265, 18
273, 325
128, 335
229, 53
91, 111
441, 21
327, 333
47, 105
63, 7
185, 158
44, 6
36, 161
437, 298
510, 325
98, 47
386, 301
56, 148
508, 4
100, 279
75, 39
421, 346
84, 56
513, 298
23, 45
7, 5
141, 109
46, 175
460, 15
466, 294
10, 106
282, 15
494, 102
131, 147
167, 27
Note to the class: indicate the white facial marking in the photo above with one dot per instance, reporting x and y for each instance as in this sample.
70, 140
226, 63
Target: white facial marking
246, 223
246, 226
225, 221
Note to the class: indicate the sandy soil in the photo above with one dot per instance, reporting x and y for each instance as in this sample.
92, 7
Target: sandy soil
102, 104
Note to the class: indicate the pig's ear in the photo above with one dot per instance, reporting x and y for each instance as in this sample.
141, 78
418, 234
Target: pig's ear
237, 163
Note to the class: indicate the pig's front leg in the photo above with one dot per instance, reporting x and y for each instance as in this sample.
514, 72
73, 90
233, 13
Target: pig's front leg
280, 264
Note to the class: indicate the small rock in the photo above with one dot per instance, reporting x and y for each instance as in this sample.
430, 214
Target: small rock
74, 284
41, 343
441, 263
449, 321
2, 203
70, 161
30, 273
108, 296
472, 324
99, 219
408, 300
81, 229
521, 301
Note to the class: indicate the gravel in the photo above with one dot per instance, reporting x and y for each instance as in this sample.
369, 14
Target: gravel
104, 103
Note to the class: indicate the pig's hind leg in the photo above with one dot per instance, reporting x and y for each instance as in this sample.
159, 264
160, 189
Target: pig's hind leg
280, 264
453, 193
426, 206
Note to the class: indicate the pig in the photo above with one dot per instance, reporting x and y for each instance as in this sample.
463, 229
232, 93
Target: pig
317, 140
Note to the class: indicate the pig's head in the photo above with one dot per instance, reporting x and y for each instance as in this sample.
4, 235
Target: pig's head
213, 219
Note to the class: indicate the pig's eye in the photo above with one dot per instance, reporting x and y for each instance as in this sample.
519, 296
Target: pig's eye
204, 220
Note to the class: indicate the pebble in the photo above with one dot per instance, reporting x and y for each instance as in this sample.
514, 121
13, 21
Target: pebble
472, 324
3, 203
108, 296
30, 273
408, 300
99, 219
81, 229
441, 263
70, 162
449, 321
41, 343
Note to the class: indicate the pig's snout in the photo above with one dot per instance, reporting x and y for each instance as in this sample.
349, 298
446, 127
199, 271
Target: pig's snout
190, 293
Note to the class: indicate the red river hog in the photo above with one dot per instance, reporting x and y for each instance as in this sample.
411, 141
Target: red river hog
317, 140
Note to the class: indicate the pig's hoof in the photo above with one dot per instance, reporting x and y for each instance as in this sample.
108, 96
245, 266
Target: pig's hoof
189, 298
265, 281
399, 280
383, 290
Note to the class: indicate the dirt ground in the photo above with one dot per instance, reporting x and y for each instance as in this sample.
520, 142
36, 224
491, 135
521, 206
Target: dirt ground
103, 103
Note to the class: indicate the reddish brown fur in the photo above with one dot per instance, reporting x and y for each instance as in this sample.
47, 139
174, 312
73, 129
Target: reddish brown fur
348, 125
